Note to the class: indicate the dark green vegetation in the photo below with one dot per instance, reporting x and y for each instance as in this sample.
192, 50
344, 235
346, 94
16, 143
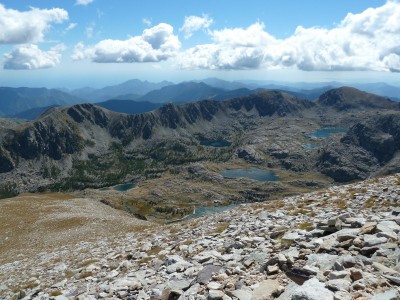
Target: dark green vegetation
8, 190
175, 155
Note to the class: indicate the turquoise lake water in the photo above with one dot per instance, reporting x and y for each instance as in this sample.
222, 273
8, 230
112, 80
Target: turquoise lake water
251, 173
324, 133
120, 188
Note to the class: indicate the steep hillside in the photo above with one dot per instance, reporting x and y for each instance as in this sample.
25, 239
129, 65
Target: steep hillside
347, 98
369, 146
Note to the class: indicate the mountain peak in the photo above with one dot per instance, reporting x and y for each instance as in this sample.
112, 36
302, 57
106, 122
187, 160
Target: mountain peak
351, 98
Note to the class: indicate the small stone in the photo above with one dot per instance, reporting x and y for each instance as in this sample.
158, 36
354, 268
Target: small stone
388, 295
383, 269
355, 274
311, 290
271, 270
215, 295
368, 228
241, 294
179, 284
205, 275
169, 294
282, 258
338, 284
214, 285
267, 290
342, 295
372, 240
387, 226
113, 273
338, 275
346, 234
347, 261
394, 279
358, 286
247, 263
368, 250
387, 234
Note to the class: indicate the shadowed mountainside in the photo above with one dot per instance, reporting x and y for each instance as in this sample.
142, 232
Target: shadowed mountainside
346, 98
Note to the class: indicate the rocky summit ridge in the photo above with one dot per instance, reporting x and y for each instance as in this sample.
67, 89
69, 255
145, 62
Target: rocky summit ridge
340, 243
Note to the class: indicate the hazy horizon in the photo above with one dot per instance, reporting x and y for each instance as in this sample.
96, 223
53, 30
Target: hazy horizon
97, 43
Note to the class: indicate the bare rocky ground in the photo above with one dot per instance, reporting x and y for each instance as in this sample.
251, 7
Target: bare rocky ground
339, 243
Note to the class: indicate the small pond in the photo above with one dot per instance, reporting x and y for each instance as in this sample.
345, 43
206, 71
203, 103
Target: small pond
215, 143
120, 188
251, 173
324, 133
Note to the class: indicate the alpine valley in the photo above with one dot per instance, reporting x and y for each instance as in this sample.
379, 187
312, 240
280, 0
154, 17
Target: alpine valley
199, 191
179, 156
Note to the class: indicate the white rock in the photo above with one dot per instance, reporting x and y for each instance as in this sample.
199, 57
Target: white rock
311, 290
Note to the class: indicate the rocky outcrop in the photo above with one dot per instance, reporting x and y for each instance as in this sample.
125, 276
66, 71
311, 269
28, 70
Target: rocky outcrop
6, 162
270, 103
379, 135
46, 137
347, 98
365, 149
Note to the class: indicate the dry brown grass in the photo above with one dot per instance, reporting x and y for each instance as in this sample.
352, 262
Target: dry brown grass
341, 203
370, 203
32, 223
306, 226
221, 227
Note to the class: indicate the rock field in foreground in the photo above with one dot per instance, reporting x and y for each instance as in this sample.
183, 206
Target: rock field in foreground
341, 243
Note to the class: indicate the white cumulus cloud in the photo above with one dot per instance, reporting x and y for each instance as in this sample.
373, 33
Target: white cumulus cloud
18, 27
83, 2
155, 44
29, 57
369, 40
195, 23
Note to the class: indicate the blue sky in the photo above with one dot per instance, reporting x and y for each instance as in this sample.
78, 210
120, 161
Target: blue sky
77, 43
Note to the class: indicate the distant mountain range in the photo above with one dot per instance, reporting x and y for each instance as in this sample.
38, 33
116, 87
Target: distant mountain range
29, 103
17, 100
178, 93
129, 106
119, 91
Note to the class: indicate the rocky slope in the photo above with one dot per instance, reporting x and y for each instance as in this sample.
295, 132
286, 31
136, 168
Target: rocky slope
341, 243
346, 98
366, 147
63, 131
